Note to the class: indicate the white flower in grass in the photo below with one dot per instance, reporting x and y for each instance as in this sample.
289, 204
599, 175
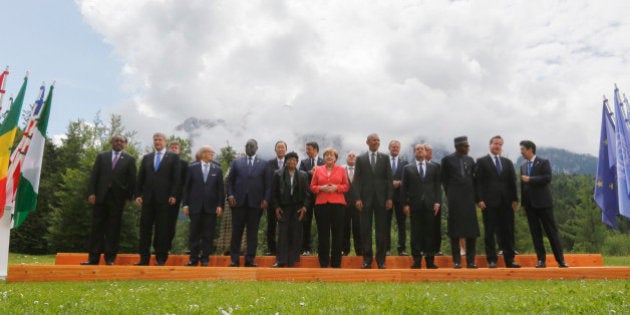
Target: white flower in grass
302, 304
35, 302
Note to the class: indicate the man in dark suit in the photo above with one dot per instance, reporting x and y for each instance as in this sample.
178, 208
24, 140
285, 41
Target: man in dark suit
421, 198
291, 197
203, 201
397, 166
111, 185
495, 182
176, 148
352, 218
373, 194
537, 203
248, 189
307, 165
457, 179
274, 165
158, 182
437, 219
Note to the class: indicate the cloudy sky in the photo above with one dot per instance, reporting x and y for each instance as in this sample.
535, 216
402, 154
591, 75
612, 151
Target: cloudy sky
339, 70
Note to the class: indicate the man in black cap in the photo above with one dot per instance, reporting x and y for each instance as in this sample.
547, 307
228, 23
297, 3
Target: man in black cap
457, 179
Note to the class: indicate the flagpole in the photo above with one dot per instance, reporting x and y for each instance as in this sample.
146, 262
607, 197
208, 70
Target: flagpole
5, 74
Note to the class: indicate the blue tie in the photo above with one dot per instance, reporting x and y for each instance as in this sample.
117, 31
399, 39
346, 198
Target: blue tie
529, 168
205, 172
158, 159
498, 164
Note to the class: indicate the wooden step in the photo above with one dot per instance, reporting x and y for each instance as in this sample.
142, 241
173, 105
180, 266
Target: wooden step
38, 273
349, 262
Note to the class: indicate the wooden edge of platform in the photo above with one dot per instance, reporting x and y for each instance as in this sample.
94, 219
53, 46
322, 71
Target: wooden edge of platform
41, 273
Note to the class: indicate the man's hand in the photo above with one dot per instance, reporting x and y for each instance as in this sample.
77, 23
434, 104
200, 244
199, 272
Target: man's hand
263, 204
232, 201
278, 213
359, 205
92, 199
525, 178
396, 184
302, 213
185, 211
406, 210
436, 209
171, 200
482, 205
389, 204
219, 211
515, 205
139, 201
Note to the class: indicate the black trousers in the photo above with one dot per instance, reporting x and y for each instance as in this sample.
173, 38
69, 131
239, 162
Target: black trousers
330, 218
244, 217
307, 223
105, 234
272, 223
173, 222
499, 221
379, 215
421, 232
289, 236
539, 219
401, 223
202, 227
470, 250
158, 216
437, 232
352, 228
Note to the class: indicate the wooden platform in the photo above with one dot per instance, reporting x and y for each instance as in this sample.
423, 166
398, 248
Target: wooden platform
67, 268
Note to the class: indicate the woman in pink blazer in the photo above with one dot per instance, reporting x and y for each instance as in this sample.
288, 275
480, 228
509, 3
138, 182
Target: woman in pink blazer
329, 183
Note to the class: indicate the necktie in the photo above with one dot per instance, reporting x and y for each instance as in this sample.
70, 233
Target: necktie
206, 167
393, 165
498, 164
312, 162
115, 161
351, 174
280, 163
420, 171
529, 168
158, 159
250, 164
373, 160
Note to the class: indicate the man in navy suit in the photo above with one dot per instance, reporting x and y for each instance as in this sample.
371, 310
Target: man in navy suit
307, 165
495, 183
158, 183
111, 185
248, 189
537, 203
397, 165
203, 201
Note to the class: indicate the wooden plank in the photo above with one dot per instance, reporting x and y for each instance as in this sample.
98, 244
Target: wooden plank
352, 262
39, 273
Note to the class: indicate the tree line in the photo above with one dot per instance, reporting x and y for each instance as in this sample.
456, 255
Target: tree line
62, 220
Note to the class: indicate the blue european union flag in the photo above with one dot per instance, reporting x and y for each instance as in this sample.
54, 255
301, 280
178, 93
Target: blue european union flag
623, 156
606, 182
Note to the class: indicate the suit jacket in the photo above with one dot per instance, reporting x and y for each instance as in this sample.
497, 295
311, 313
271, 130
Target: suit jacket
272, 167
254, 184
121, 180
200, 196
337, 177
161, 184
281, 196
397, 175
306, 166
537, 193
421, 193
490, 187
370, 184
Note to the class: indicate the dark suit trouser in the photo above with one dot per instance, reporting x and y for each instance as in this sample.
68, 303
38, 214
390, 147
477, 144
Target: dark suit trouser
244, 217
288, 236
154, 215
499, 221
421, 232
105, 236
352, 225
271, 229
470, 250
172, 220
437, 231
202, 227
379, 214
544, 216
330, 219
401, 223
307, 223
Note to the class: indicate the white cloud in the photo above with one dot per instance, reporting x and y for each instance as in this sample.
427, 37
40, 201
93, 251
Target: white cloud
405, 69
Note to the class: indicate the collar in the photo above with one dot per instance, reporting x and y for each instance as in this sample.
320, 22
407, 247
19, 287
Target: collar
533, 158
253, 157
163, 151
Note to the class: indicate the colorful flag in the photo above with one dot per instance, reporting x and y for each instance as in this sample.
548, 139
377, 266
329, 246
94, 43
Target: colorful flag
606, 181
623, 157
7, 135
28, 187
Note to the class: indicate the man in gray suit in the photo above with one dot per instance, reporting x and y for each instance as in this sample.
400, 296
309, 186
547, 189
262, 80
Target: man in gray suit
373, 194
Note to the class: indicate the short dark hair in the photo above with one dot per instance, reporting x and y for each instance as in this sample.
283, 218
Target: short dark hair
495, 137
314, 145
529, 145
291, 155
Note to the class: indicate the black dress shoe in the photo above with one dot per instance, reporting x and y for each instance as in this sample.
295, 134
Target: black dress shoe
472, 266
457, 266
204, 264
89, 263
366, 266
233, 264
160, 263
381, 266
192, 264
541, 264
563, 264
277, 265
109, 263
251, 265
403, 253
141, 263
432, 266
416, 265
492, 264
513, 265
